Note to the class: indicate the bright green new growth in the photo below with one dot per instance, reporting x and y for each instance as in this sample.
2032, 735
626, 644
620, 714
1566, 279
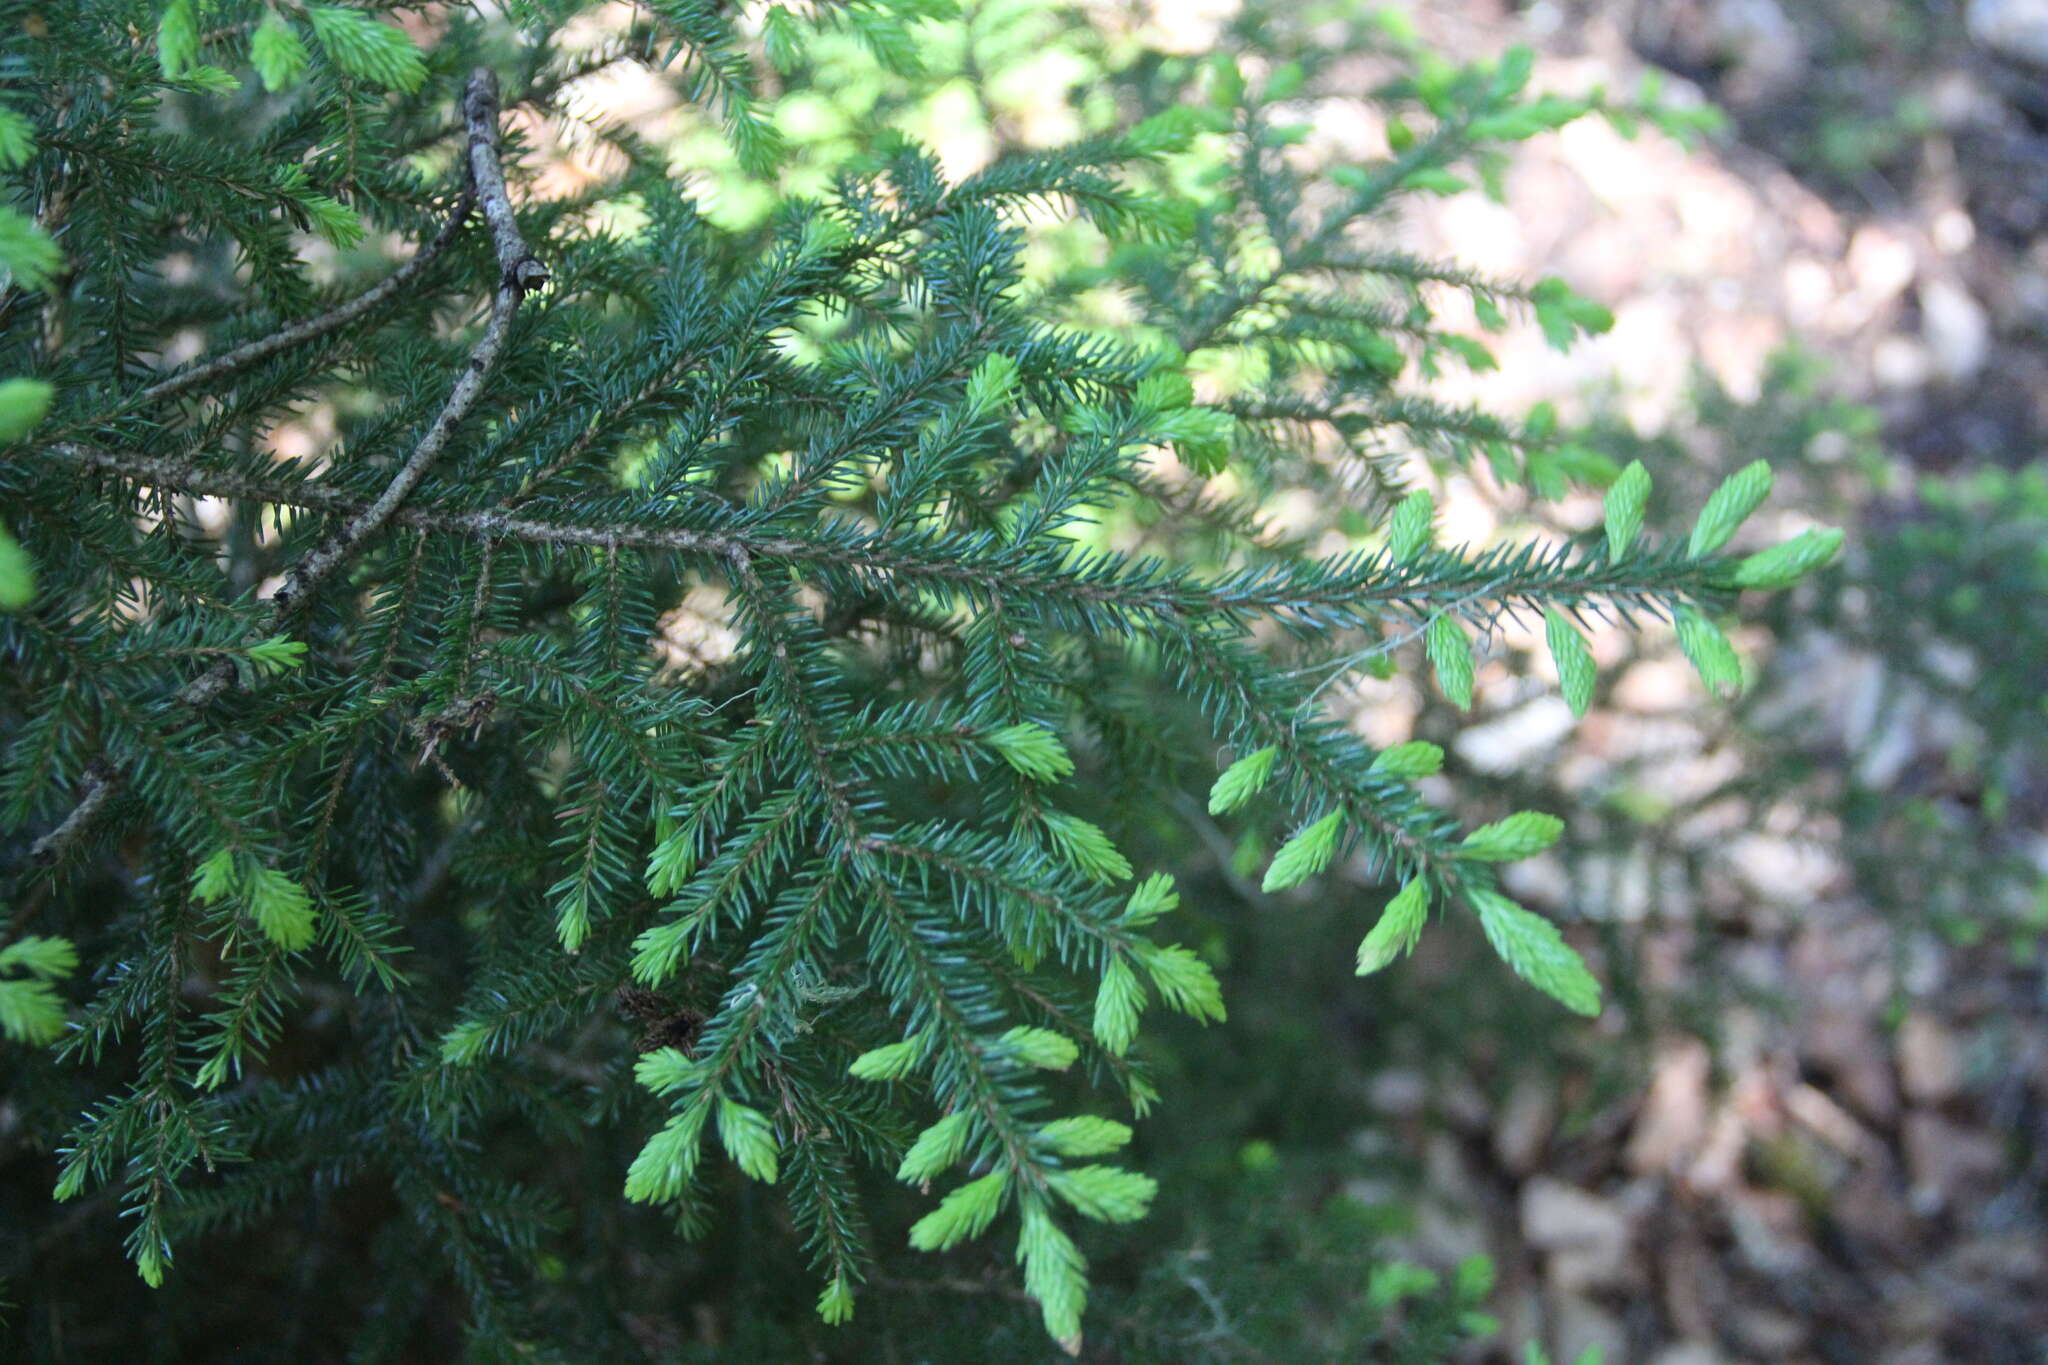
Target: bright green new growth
1184, 981
1038, 1047
1575, 671
281, 909
1033, 751
1085, 1135
937, 1148
1709, 651
1409, 530
366, 49
1055, 1274
17, 574
835, 1304
1306, 854
666, 1164
468, 790
278, 53
177, 37
1085, 847
31, 1011
964, 1213
991, 386
1627, 497
664, 1070
1416, 758
1450, 654
17, 139
276, 655
890, 1062
1537, 952
1242, 780
22, 404
748, 1139
1785, 564
1118, 1001
1522, 835
1398, 929
1154, 897
1730, 505
1106, 1194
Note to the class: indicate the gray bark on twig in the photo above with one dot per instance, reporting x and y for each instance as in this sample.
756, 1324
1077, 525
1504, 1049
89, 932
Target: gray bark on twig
520, 272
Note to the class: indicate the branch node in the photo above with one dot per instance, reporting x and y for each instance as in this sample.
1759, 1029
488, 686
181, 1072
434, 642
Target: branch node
520, 269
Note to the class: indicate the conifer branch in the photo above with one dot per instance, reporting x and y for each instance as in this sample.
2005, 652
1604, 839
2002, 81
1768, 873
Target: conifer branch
313, 328
937, 994
519, 272
1309, 595
1243, 697
680, 466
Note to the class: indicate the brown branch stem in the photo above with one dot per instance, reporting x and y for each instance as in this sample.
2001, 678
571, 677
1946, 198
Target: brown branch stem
100, 781
521, 271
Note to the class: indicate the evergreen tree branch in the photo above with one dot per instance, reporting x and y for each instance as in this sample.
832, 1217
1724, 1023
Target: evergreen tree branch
1307, 595
849, 458
520, 271
1334, 768
313, 328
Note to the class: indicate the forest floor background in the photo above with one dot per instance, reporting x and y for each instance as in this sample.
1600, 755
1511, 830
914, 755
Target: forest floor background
1841, 1154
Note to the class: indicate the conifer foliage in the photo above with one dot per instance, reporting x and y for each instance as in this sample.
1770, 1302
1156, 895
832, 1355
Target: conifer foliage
355, 804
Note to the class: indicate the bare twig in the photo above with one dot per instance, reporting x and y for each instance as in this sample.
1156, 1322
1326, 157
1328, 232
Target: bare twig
522, 272
100, 781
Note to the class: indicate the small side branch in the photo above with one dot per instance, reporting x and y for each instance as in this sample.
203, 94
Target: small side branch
100, 781
521, 270
321, 562
313, 328
483, 524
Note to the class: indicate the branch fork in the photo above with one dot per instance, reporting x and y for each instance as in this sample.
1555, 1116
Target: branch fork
520, 272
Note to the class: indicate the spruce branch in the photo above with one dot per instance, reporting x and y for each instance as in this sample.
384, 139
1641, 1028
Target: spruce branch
519, 272
313, 328
1306, 595
1244, 698
937, 993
